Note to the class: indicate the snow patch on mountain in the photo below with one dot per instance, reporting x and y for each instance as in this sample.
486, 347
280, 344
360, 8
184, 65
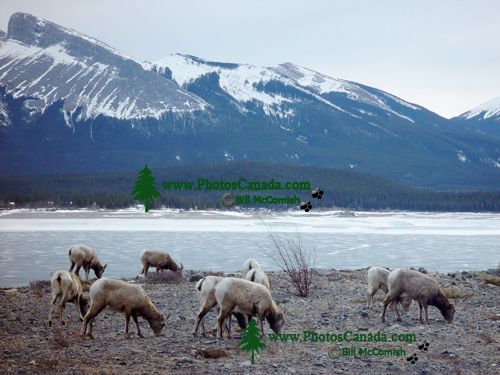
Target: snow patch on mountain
4, 115
239, 81
486, 110
323, 84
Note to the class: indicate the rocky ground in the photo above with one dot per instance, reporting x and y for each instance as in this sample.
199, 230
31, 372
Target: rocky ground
336, 304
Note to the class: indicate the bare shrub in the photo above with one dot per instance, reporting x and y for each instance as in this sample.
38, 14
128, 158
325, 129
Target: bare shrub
295, 260
168, 277
38, 287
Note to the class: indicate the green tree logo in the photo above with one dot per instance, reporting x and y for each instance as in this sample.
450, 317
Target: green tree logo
145, 188
250, 340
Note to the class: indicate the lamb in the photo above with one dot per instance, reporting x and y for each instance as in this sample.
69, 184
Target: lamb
258, 276
246, 297
377, 279
249, 264
206, 290
158, 259
421, 288
129, 299
84, 256
67, 287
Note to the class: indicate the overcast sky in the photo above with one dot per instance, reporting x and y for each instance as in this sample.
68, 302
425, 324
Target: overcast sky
444, 55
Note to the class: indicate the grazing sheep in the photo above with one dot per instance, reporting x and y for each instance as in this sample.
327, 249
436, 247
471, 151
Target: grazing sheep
67, 287
258, 276
421, 288
377, 279
158, 259
206, 290
249, 264
84, 256
123, 297
246, 297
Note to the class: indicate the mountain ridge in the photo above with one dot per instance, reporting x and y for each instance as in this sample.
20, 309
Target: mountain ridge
71, 105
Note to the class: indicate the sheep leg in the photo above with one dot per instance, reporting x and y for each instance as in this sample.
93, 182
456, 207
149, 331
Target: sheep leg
137, 325
87, 271
79, 307
420, 310
127, 320
388, 299
146, 268
371, 293
52, 303
261, 321
425, 310
77, 271
72, 265
199, 318
223, 314
88, 320
395, 306
62, 305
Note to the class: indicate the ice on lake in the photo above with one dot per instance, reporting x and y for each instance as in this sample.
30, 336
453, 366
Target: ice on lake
35, 243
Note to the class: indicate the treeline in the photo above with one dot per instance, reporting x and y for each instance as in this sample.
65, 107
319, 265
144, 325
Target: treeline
343, 189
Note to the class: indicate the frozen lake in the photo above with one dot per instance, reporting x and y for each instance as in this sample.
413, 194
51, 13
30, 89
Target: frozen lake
35, 243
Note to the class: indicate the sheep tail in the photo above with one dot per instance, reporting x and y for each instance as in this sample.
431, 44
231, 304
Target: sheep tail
200, 284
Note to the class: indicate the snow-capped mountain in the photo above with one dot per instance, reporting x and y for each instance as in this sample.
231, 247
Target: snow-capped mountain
483, 119
485, 111
47, 63
246, 83
70, 103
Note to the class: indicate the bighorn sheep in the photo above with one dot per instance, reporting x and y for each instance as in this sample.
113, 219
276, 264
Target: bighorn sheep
123, 297
249, 264
421, 288
246, 297
67, 287
158, 259
84, 256
258, 276
377, 279
206, 291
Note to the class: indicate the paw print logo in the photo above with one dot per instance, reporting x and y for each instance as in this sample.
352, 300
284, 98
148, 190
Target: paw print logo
424, 346
412, 359
306, 206
317, 193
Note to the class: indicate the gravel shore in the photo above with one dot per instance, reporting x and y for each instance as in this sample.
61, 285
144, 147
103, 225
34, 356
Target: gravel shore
336, 305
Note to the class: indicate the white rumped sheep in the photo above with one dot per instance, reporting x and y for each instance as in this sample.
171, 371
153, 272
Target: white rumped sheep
249, 298
124, 297
249, 264
205, 288
421, 288
67, 287
377, 279
258, 276
84, 256
158, 259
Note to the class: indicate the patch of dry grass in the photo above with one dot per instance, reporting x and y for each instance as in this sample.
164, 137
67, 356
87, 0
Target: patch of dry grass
58, 340
490, 279
167, 277
455, 293
212, 352
487, 338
